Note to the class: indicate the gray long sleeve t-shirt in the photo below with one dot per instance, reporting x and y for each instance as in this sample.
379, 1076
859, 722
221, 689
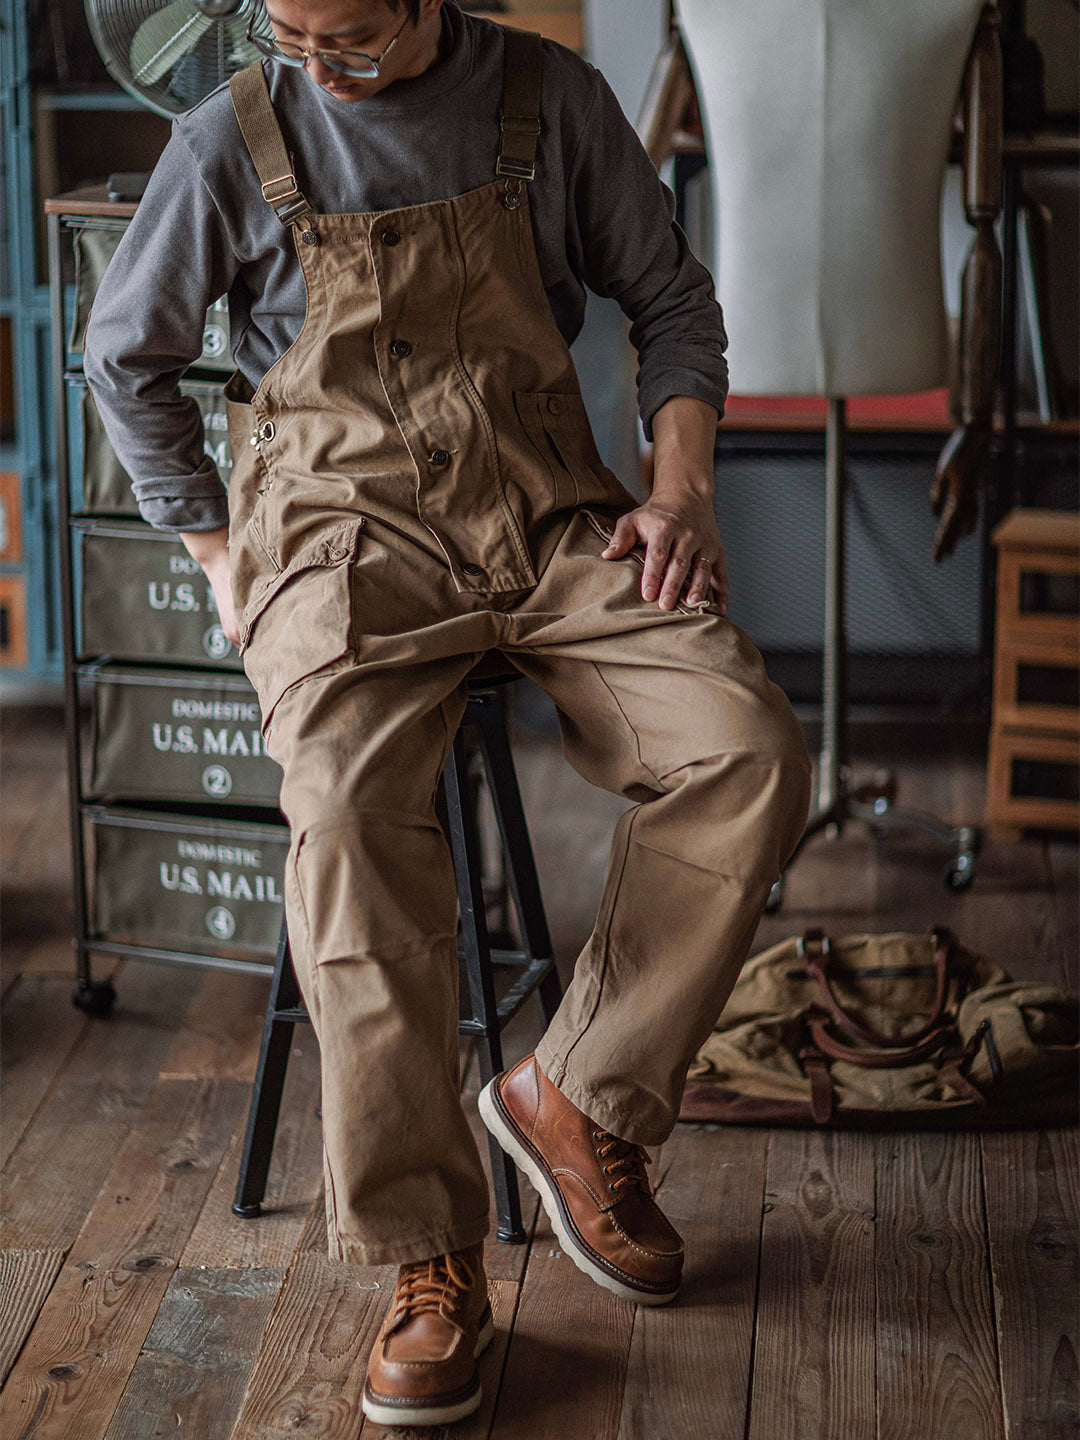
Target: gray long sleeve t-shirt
601, 218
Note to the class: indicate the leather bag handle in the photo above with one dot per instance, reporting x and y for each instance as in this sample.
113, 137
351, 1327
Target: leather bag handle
817, 964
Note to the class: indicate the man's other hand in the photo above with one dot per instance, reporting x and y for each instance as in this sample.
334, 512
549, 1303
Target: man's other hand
682, 549
211, 549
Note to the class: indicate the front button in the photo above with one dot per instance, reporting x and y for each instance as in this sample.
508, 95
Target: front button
390, 237
439, 457
401, 348
470, 569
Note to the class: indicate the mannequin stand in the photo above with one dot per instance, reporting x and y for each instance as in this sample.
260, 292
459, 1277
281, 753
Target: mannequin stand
872, 802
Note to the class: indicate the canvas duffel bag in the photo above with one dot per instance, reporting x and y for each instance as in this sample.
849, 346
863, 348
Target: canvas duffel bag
892, 1029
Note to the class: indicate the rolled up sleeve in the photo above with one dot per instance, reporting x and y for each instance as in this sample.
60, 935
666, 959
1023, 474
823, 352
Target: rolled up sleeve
621, 218
145, 328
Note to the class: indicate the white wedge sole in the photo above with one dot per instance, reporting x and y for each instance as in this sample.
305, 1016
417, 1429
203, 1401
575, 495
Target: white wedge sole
489, 1113
393, 1414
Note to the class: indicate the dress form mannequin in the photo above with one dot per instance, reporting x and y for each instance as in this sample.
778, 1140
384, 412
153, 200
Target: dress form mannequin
828, 126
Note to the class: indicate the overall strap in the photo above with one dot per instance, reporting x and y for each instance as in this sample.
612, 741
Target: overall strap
266, 144
519, 114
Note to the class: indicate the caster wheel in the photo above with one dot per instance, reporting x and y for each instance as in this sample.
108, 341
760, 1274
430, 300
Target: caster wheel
96, 998
960, 873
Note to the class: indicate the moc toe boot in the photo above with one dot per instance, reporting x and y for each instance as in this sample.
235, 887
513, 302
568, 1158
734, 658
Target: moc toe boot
422, 1369
593, 1185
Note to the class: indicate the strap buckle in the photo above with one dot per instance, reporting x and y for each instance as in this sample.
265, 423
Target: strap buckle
287, 203
292, 187
516, 125
507, 165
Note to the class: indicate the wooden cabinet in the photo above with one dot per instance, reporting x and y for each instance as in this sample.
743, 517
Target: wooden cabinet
1034, 761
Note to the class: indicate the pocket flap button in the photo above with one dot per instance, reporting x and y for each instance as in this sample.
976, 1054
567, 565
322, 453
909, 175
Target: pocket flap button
554, 406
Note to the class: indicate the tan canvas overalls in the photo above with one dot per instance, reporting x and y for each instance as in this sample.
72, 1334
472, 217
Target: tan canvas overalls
424, 487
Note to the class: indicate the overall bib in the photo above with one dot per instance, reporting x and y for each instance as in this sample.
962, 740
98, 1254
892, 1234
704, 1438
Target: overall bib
422, 486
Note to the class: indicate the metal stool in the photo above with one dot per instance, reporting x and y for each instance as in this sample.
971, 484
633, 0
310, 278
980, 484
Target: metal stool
485, 715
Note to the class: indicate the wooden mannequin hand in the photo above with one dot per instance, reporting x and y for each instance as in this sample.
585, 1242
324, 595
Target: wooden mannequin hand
954, 494
682, 544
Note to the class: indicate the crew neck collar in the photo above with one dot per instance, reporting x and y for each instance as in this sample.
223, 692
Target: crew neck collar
411, 91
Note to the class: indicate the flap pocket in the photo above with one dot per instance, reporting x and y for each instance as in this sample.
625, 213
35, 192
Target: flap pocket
299, 622
557, 423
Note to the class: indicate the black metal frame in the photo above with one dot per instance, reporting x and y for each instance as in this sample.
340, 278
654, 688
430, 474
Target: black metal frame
484, 714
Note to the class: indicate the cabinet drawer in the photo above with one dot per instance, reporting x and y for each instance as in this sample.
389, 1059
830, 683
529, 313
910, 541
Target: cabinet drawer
95, 245
1037, 686
1033, 779
141, 596
213, 887
99, 483
168, 736
13, 642
1038, 592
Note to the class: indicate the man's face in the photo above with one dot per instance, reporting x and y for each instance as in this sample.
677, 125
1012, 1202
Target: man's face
365, 25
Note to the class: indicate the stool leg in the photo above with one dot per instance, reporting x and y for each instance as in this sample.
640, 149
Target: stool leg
521, 864
282, 1012
465, 844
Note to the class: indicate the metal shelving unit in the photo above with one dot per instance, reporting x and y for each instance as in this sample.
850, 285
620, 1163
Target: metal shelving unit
151, 665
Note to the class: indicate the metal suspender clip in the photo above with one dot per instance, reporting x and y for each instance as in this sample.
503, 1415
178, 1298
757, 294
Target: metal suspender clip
286, 207
516, 125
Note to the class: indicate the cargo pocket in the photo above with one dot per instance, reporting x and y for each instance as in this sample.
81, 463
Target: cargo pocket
298, 623
605, 528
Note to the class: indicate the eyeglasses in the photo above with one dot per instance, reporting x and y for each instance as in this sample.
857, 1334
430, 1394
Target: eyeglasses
345, 62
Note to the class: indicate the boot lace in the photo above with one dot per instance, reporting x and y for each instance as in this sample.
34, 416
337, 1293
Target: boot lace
626, 1164
432, 1285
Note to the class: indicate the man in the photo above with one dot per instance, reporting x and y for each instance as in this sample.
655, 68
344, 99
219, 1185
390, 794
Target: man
405, 205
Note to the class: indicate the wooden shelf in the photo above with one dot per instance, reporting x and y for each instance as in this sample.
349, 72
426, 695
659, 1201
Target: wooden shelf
89, 200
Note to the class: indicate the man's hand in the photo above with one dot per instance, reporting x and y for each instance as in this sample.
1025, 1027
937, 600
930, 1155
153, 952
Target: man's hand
677, 523
211, 549
683, 548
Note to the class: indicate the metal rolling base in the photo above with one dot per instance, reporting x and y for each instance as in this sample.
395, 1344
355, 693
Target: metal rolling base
839, 800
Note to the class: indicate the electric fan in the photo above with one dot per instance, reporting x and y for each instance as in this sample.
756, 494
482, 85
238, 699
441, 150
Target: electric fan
170, 56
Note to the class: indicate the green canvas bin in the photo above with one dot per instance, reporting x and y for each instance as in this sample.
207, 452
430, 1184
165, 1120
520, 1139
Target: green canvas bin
95, 242
106, 485
164, 736
143, 597
173, 882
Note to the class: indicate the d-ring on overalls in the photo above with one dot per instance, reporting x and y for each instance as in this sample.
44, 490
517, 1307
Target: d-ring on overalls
423, 486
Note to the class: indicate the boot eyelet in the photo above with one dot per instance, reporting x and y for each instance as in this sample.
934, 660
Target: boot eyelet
611, 1188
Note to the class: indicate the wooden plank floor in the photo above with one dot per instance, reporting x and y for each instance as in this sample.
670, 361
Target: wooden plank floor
839, 1287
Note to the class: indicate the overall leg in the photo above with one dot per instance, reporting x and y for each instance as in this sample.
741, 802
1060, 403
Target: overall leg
675, 711
372, 911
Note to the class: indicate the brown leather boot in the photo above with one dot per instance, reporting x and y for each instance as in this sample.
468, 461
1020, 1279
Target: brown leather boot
593, 1186
422, 1369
